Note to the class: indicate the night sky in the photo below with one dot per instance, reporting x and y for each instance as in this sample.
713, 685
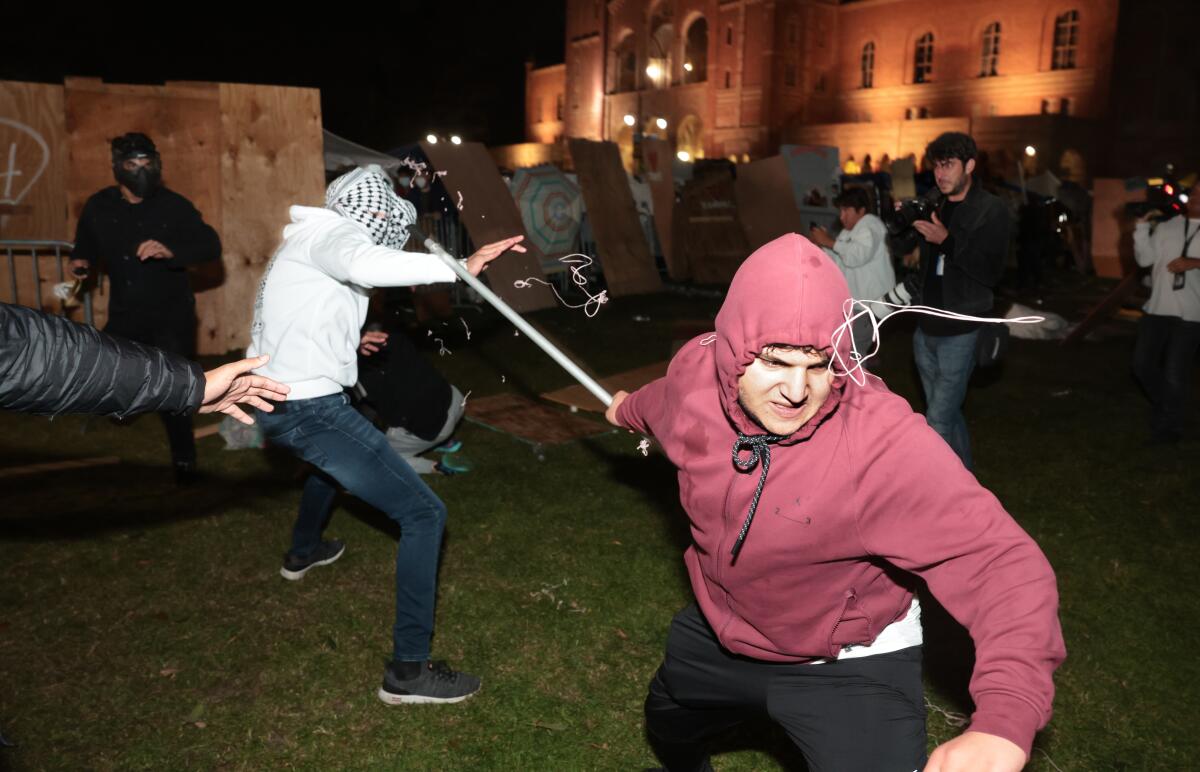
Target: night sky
386, 79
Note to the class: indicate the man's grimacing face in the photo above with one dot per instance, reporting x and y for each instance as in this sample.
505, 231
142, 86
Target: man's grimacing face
782, 389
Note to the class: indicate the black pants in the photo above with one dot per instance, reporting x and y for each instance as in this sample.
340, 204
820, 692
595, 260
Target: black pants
849, 715
173, 331
1164, 358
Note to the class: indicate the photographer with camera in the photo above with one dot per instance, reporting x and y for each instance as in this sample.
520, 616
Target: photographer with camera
1169, 332
962, 231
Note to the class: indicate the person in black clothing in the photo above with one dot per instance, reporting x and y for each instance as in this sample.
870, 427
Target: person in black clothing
962, 249
50, 365
146, 236
397, 387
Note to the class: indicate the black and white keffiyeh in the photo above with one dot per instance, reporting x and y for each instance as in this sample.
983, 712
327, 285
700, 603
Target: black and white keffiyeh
365, 196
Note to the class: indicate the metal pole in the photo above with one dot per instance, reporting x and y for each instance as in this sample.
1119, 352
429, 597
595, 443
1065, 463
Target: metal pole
586, 380
37, 279
12, 272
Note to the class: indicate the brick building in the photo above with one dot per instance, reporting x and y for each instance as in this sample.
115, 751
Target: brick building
737, 78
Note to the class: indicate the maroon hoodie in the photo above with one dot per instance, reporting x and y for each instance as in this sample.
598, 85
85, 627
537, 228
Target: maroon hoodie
864, 484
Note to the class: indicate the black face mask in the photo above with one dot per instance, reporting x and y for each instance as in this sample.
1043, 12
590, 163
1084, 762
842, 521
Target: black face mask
141, 182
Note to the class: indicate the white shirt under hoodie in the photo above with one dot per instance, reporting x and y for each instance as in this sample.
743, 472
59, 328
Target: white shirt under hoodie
312, 301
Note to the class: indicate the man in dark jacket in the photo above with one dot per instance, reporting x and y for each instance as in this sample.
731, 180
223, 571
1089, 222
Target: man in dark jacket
963, 249
49, 365
147, 235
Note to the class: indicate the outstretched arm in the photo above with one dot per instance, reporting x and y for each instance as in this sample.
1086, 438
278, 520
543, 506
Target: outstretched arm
230, 385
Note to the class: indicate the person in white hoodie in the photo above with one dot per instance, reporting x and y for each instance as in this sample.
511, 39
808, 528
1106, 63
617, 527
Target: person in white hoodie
310, 307
860, 251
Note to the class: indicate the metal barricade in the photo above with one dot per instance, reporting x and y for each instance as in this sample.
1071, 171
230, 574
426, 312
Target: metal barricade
16, 250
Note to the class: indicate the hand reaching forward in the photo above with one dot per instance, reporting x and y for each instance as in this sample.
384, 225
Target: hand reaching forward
230, 384
489, 252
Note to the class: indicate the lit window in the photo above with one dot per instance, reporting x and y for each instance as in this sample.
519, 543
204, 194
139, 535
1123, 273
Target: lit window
868, 65
1066, 37
923, 59
990, 56
695, 56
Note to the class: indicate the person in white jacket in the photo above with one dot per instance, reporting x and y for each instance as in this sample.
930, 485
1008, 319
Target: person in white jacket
1169, 331
310, 307
860, 251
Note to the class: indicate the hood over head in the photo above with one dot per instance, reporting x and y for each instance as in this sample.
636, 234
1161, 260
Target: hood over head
787, 292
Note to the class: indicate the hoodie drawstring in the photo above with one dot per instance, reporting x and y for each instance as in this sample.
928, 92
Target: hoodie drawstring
760, 449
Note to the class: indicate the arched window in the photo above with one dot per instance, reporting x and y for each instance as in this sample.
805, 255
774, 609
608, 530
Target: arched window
868, 65
695, 52
923, 59
662, 39
1066, 37
689, 140
990, 54
625, 56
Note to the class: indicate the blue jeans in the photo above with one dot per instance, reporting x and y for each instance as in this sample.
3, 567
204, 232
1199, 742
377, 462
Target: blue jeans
945, 363
1163, 359
332, 436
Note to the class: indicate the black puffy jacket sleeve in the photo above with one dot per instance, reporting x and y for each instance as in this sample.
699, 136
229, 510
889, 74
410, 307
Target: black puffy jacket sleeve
50, 365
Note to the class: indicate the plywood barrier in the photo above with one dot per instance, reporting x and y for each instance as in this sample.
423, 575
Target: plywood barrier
660, 175
32, 173
490, 214
1112, 229
624, 255
765, 201
271, 158
709, 230
242, 154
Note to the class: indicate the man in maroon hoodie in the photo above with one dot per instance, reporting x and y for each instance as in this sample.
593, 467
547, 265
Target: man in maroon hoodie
809, 616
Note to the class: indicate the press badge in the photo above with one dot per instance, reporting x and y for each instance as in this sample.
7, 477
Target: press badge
941, 265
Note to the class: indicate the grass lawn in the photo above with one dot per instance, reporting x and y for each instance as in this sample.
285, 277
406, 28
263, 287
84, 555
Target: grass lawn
146, 627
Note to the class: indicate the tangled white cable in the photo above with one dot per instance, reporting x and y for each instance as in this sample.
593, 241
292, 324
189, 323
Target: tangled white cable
855, 371
576, 263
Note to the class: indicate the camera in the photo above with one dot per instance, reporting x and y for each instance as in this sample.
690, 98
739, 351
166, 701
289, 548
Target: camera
910, 211
1165, 198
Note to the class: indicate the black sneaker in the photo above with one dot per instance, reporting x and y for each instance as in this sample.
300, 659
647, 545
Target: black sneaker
295, 568
435, 683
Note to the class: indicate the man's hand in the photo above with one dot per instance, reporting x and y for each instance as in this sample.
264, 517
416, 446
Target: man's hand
976, 752
820, 236
489, 252
611, 413
1181, 264
153, 250
371, 342
230, 384
80, 268
934, 232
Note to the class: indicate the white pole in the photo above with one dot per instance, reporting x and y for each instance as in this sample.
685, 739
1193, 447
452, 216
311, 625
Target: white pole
586, 380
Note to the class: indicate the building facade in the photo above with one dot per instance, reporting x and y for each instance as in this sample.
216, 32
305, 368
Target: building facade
737, 78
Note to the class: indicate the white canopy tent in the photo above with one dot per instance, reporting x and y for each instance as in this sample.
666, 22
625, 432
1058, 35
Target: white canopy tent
340, 153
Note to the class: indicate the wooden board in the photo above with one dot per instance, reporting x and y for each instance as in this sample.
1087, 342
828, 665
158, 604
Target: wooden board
660, 176
530, 421
32, 184
710, 230
184, 121
270, 158
490, 214
579, 397
765, 201
624, 255
1112, 229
